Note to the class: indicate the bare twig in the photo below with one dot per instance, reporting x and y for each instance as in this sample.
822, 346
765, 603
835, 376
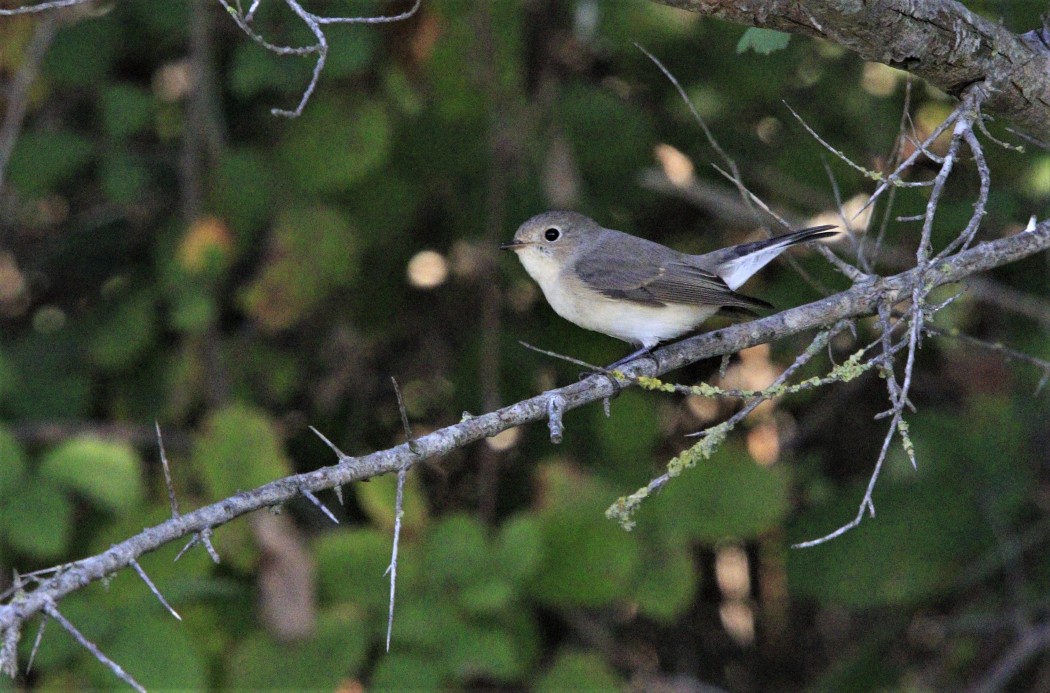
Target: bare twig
314, 23
1031, 643
153, 588
1004, 351
920, 310
867, 173
750, 200
91, 647
173, 501
42, 7
399, 512
36, 644
308, 494
343, 457
17, 96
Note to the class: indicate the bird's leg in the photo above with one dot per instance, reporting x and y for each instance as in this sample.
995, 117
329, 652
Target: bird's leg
644, 351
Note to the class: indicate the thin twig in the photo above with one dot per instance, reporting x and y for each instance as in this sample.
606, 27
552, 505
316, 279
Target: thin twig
54, 613
42, 7
320, 506
1031, 643
36, 643
314, 22
343, 457
813, 133
894, 178
173, 501
17, 96
568, 359
153, 588
399, 505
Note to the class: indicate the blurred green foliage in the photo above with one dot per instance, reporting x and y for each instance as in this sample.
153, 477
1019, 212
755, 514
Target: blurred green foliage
186, 257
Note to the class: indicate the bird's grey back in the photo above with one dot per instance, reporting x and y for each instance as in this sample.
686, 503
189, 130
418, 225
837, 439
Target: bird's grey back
626, 267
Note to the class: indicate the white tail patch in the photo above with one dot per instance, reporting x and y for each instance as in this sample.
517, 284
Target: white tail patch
738, 270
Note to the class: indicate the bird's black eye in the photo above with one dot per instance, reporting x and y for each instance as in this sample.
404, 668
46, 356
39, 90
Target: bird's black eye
552, 234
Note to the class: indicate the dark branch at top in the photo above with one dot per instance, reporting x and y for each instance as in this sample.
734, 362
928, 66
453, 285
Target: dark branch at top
938, 40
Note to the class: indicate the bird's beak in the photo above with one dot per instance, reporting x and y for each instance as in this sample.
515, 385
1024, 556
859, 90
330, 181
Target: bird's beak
513, 245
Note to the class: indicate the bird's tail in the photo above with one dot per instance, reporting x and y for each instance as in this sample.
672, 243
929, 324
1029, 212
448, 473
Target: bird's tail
736, 264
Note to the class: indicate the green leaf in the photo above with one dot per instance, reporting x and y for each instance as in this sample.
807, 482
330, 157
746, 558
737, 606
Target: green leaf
587, 560
193, 309
363, 554
762, 41
126, 335
239, 450
1036, 180
8, 378
107, 472
12, 463
579, 671
628, 437
37, 520
336, 652
668, 582
243, 189
48, 378
456, 552
519, 550
318, 237
255, 70
352, 51
425, 623
124, 177
611, 136
360, 133
126, 109
728, 496
43, 160
478, 652
911, 552
491, 596
158, 651
406, 671
83, 52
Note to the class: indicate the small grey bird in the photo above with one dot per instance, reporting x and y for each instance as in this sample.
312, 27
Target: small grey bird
637, 290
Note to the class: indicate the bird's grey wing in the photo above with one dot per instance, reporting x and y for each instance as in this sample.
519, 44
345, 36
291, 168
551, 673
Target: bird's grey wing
654, 275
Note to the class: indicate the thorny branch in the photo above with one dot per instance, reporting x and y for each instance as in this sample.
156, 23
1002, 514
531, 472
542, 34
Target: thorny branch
48, 587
